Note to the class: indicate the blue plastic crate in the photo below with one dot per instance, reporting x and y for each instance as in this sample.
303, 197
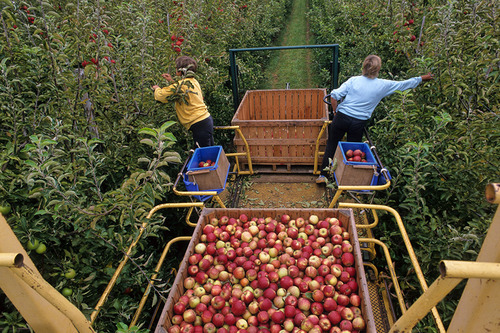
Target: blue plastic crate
211, 178
345, 146
351, 173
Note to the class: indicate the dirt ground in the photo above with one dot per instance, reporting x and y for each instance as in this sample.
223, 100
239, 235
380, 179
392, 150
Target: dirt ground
291, 195
259, 193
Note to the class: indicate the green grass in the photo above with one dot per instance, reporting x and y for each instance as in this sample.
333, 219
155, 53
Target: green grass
292, 66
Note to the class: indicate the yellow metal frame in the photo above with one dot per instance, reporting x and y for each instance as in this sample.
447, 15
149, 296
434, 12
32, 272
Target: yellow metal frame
452, 273
40, 304
409, 248
126, 257
317, 153
154, 276
392, 271
477, 310
163, 255
235, 155
215, 195
368, 227
343, 188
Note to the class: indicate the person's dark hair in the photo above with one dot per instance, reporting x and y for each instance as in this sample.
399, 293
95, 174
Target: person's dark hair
371, 66
185, 63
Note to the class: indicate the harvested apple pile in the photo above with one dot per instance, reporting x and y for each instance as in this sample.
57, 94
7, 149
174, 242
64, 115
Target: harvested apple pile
267, 275
355, 156
204, 164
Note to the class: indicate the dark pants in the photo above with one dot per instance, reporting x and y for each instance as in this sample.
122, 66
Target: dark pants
203, 132
341, 125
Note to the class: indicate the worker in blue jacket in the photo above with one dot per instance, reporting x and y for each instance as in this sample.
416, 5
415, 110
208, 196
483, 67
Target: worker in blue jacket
361, 95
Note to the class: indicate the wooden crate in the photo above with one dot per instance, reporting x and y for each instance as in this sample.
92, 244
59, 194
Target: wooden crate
281, 126
344, 215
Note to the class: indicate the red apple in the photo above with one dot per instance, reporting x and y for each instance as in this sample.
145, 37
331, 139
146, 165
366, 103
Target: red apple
345, 325
342, 300
179, 308
304, 304
325, 324
347, 259
358, 323
316, 308
278, 317
218, 319
355, 300
238, 308
265, 304
189, 316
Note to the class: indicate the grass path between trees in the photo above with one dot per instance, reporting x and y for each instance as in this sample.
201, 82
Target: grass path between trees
292, 66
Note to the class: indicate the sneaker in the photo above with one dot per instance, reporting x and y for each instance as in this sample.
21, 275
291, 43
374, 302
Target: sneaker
321, 180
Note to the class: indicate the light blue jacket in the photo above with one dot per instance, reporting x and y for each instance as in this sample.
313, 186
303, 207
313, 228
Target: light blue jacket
362, 94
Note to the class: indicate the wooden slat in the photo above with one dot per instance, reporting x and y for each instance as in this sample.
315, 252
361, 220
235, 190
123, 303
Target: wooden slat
277, 123
314, 106
273, 141
280, 160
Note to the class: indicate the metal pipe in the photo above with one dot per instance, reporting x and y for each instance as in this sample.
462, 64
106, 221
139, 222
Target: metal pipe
174, 205
11, 260
469, 270
372, 267
375, 154
429, 299
219, 201
188, 218
51, 295
246, 153
270, 48
371, 225
392, 271
342, 188
247, 148
154, 276
233, 67
316, 151
409, 248
493, 193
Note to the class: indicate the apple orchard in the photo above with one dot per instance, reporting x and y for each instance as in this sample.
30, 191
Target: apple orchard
261, 274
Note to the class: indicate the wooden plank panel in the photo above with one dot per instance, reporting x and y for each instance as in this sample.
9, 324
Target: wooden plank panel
286, 104
270, 160
280, 123
314, 105
251, 106
295, 106
285, 127
274, 141
308, 106
268, 100
282, 105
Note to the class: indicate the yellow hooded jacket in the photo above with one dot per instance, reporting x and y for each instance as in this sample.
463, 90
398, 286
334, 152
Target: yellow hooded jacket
190, 113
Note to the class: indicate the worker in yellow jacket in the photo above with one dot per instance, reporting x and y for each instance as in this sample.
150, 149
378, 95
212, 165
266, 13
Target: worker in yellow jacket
186, 93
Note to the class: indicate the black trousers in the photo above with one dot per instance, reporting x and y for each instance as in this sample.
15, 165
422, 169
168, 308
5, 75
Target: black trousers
341, 125
203, 132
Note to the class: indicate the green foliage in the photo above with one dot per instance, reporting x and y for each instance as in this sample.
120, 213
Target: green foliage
86, 152
123, 328
439, 141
